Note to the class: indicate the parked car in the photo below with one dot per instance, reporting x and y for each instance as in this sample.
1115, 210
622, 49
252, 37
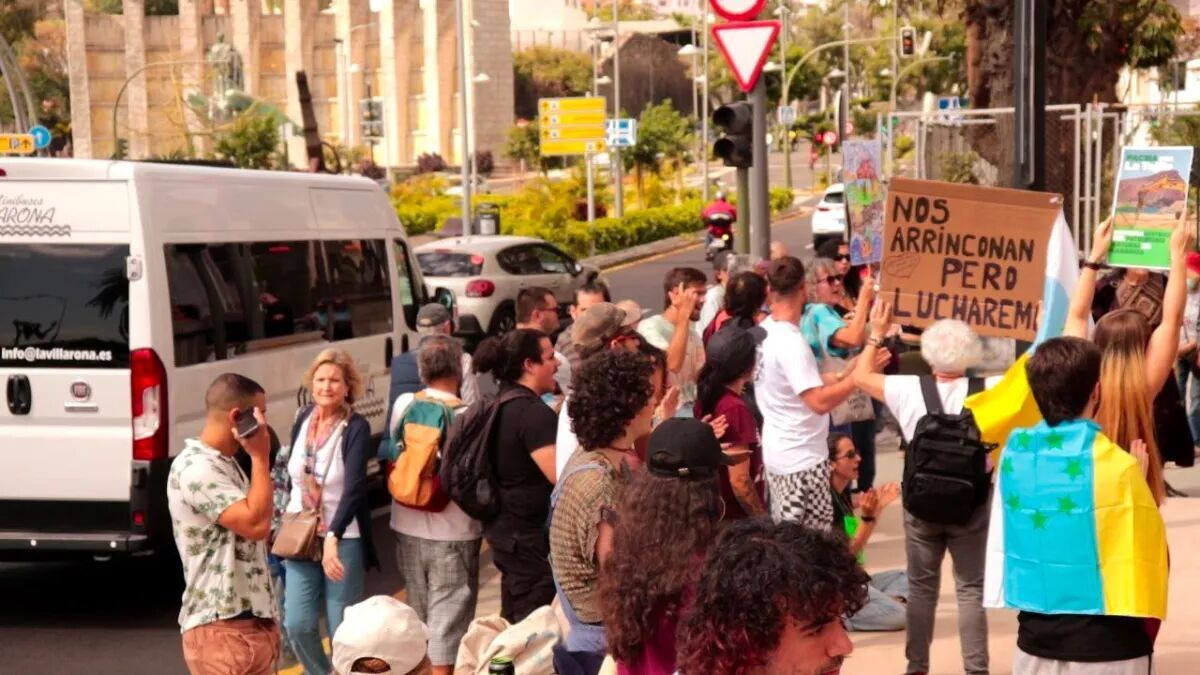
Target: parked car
486, 273
829, 220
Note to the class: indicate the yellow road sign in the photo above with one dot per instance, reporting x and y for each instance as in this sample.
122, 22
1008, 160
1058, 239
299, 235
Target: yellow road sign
572, 119
576, 104
555, 148
17, 144
593, 133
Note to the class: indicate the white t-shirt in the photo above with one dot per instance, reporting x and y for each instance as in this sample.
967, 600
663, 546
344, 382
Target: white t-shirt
714, 299
332, 483
902, 394
658, 331
449, 524
793, 437
565, 442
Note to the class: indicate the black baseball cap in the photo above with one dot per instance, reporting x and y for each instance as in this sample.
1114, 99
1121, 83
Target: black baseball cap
685, 448
731, 343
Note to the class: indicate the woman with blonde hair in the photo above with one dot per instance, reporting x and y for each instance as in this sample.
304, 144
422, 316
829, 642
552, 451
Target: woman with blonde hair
1137, 358
327, 472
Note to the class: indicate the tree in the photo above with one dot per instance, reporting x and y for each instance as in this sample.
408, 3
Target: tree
548, 72
662, 133
1089, 42
153, 7
627, 11
251, 141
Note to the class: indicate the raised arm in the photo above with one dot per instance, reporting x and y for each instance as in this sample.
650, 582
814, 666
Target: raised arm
1164, 341
855, 332
866, 375
1080, 311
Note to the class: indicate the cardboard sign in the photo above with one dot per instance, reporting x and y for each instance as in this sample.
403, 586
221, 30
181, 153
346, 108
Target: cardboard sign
865, 199
1150, 199
967, 252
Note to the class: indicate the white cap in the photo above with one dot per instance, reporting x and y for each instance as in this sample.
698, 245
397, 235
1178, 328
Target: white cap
380, 627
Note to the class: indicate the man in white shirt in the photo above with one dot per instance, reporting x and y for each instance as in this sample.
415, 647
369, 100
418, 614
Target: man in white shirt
438, 551
795, 400
714, 298
672, 331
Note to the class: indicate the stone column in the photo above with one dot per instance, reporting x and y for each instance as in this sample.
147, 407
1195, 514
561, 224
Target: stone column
396, 21
191, 50
298, 55
137, 117
492, 54
443, 105
351, 19
77, 69
434, 80
246, 16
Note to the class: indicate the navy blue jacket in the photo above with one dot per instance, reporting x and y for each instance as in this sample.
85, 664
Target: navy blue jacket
354, 506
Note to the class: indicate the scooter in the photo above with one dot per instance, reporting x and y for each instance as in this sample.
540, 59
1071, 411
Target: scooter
720, 234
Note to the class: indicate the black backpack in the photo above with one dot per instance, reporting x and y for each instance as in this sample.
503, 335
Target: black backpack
467, 475
945, 468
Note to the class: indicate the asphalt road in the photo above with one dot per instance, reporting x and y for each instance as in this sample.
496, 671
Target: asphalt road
119, 616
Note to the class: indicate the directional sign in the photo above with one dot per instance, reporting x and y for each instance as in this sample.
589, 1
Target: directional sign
738, 10
572, 126
622, 133
41, 136
17, 144
787, 115
557, 148
746, 46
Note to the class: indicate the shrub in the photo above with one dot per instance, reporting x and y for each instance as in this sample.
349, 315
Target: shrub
781, 199
485, 164
430, 163
904, 146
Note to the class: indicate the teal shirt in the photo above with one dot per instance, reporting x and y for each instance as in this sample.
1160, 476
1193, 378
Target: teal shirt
819, 323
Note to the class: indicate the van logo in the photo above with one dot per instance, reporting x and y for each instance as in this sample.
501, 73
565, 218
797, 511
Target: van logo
81, 391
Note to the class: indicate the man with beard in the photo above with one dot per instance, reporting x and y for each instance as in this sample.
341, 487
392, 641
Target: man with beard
672, 331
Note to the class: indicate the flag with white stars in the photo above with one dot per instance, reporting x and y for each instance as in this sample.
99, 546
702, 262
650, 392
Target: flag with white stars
1074, 528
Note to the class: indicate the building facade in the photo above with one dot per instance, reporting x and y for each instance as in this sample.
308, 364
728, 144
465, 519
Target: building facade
403, 53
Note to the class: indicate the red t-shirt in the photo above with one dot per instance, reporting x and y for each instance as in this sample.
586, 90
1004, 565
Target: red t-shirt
742, 431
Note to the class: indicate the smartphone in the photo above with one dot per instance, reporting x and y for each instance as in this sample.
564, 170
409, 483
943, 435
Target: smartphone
247, 424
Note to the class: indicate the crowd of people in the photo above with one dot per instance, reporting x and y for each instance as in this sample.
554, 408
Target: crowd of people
689, 492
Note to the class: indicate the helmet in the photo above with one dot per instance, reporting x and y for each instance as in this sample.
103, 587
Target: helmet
720, 195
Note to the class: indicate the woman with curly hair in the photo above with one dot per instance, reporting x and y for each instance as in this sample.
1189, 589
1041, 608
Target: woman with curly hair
771, 598
669, 515
613, 396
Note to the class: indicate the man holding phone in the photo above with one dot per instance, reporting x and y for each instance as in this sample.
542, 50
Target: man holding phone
221, 521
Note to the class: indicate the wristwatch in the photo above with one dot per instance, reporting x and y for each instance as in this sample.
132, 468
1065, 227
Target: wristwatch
1098, 265
875, 342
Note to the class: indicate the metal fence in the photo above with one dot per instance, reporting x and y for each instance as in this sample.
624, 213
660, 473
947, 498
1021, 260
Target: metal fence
1082, 152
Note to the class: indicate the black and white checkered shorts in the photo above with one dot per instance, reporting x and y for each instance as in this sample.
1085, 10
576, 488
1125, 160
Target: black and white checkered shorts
802, 497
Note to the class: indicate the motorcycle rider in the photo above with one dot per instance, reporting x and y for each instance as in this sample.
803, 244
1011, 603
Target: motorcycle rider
725, 214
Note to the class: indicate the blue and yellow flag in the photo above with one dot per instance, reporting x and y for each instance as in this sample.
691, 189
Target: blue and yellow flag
1074, 528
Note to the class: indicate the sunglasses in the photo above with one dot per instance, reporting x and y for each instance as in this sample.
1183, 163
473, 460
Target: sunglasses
841, 257
853, 454
830, 280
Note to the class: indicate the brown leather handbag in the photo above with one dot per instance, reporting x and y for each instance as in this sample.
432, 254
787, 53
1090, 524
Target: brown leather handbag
298, 538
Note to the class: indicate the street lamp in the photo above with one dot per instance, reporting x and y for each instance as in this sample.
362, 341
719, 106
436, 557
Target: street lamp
481, 78
460, 12
139, 71
686, 51
784, 12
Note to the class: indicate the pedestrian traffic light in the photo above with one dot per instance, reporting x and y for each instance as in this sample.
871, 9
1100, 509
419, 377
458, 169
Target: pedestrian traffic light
736, 145
371, 111
908, 41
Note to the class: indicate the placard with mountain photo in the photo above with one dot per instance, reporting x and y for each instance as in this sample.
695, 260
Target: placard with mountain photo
1149, 200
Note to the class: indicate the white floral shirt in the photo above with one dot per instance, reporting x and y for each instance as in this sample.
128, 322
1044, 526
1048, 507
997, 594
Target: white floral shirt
225, 574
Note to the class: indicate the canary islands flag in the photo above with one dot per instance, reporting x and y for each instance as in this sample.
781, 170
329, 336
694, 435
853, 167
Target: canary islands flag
1074, 528
1009, 403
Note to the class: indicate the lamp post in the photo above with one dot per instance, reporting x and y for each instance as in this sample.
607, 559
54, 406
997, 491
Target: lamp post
685, 51
134, 74
784, 12
618, 185
914, 65
481, 78
463, 105
705, 18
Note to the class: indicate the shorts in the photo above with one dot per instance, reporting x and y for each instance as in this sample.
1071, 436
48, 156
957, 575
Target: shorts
232, 647
1025, 664
802, 497
441, 579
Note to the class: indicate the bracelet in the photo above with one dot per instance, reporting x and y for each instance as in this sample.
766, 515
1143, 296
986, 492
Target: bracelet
1097, 266
876, 342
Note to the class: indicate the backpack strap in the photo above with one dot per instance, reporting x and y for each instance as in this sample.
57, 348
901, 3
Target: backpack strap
975, 385
933, 400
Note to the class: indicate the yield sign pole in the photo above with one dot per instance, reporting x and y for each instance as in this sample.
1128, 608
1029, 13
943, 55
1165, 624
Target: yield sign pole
760, 187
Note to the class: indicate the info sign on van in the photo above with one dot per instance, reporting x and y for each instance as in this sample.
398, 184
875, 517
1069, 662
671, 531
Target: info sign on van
965, 252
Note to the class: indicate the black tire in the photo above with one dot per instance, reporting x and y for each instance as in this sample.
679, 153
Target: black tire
504, 320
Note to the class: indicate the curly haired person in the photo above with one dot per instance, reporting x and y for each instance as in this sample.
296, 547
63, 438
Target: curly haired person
771, 599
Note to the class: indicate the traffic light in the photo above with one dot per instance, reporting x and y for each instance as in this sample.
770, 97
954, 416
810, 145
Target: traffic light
736, 145
371, 112
908, 41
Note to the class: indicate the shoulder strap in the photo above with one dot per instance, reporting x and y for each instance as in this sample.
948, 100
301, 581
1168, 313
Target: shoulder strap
562, 481
975, 385
933, 400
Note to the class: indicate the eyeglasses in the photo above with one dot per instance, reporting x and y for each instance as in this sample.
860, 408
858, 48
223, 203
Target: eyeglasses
853, 454
841, 257
830, 280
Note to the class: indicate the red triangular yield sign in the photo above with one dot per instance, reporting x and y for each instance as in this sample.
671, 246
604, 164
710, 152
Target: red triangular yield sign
746, 46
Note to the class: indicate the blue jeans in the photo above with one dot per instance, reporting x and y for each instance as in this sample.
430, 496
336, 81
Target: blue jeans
1189, 390
306, 587
882, 611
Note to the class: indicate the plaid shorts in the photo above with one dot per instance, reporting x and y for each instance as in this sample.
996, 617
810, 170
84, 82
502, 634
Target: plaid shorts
441, 579
802, 497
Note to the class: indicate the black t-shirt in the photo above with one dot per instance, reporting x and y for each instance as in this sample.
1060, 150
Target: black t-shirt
524, 425
1088, 639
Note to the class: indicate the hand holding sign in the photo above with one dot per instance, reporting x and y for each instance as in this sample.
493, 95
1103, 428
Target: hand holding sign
1102, 240
1182, 239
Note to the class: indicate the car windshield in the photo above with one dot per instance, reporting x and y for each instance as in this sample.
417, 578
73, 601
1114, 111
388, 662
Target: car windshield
833, 197
449, 264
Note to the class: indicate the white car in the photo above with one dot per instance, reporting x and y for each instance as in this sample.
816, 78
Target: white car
486, 273
829, 220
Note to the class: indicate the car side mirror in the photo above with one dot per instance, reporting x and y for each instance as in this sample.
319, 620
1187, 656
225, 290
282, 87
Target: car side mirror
576, 268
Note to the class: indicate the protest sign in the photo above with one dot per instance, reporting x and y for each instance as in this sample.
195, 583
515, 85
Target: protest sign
1149, 200
864, 200
967, 252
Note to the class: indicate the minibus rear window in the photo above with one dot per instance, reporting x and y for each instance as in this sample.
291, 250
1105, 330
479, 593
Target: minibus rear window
64, 306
